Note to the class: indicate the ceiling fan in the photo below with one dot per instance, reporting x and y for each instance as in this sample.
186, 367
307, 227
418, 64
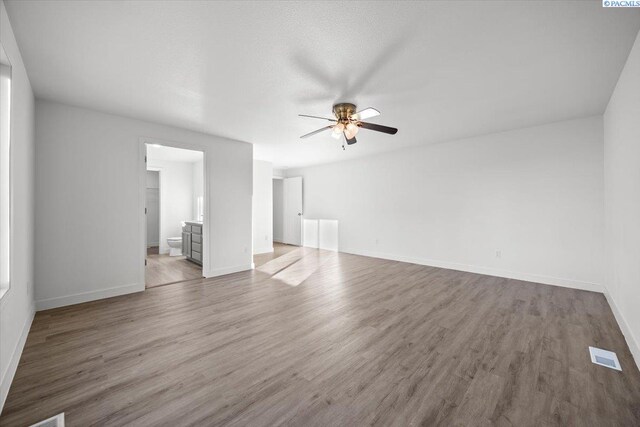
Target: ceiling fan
348, 122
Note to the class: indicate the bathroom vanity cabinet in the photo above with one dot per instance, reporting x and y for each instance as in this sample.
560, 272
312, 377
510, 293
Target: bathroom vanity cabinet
192, 241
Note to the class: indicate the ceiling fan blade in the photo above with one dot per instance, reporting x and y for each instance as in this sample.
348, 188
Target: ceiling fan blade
379, 128
365, 114
316, 131
317, 117
350, 141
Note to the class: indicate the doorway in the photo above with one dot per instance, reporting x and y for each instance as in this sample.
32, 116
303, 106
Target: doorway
292, 211
287, 210
174, 215
152, 202
278, 210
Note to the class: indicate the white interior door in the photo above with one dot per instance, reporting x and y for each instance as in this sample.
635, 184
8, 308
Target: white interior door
292, 212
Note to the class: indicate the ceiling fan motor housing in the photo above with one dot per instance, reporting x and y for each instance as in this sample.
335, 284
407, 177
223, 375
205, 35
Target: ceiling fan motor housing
344, 111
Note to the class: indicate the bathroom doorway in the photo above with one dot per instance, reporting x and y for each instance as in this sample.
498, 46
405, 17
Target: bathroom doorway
174, 215
152, 202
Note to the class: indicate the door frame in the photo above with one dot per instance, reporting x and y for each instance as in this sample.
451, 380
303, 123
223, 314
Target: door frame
159, 170
279, 178
142, 189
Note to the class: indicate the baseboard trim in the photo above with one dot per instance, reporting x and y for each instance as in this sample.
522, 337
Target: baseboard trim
263, 251
632, 343
56, 302
7, 379
230, 270
527, 277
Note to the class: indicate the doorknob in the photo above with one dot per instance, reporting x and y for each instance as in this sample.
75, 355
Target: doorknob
299, 214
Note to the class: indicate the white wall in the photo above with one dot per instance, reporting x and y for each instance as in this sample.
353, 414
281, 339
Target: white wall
153, 179
278, 210
535, 195
90, 217
198, 186
16, 306
622, 200
176, 197
262, 207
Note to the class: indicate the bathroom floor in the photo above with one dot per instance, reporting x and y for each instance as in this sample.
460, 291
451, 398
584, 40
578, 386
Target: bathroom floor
165, 269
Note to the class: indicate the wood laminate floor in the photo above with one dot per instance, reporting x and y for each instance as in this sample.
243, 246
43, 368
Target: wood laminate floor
279, 249
164, 269
320, 338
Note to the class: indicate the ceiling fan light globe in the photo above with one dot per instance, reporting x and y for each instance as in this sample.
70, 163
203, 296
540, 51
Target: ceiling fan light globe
352, 129
337, 131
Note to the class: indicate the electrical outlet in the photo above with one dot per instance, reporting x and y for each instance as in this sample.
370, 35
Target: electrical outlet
266, 237
498, 254
245, 250
377, 241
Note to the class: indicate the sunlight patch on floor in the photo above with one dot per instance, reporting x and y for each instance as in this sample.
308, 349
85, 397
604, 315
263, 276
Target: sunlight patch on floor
300, 270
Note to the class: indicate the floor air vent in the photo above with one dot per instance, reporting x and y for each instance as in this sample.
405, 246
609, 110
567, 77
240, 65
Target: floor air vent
604, 358
57, 421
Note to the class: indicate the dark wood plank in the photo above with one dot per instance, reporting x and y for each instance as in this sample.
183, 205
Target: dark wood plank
320, 338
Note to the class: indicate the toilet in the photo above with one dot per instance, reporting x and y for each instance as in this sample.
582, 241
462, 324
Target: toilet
175, 245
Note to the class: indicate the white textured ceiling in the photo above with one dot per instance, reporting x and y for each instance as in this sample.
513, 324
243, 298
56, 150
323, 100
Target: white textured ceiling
244, 70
